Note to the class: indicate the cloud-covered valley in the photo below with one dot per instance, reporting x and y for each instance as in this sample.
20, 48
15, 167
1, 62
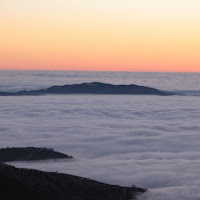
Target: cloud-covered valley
148, 141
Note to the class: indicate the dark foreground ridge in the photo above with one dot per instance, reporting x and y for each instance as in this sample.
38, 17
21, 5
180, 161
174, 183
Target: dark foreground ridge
29, 153
29, 184
91, 88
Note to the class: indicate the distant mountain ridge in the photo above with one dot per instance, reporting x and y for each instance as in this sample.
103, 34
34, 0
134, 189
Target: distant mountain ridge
91, 88
30, 154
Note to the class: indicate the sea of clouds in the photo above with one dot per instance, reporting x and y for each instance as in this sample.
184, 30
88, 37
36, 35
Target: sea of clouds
148, 141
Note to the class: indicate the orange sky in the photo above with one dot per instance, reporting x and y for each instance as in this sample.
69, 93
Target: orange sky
145, 35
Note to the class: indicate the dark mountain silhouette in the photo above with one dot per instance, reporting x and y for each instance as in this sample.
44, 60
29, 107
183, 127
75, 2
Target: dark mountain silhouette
91, 88
31, 184
29, 153
23, 184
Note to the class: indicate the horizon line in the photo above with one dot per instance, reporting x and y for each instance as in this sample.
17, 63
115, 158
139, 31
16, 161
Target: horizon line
100, 71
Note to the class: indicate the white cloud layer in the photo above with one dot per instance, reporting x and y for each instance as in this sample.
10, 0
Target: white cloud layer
149, 141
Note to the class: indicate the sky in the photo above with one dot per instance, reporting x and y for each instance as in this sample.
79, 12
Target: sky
106, 35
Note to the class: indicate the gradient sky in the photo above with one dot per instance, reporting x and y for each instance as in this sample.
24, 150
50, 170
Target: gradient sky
113, 35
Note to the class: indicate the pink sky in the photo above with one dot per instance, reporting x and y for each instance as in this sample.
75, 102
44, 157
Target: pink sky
145, 35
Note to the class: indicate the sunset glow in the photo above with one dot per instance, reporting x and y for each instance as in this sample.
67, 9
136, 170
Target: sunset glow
108, 35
